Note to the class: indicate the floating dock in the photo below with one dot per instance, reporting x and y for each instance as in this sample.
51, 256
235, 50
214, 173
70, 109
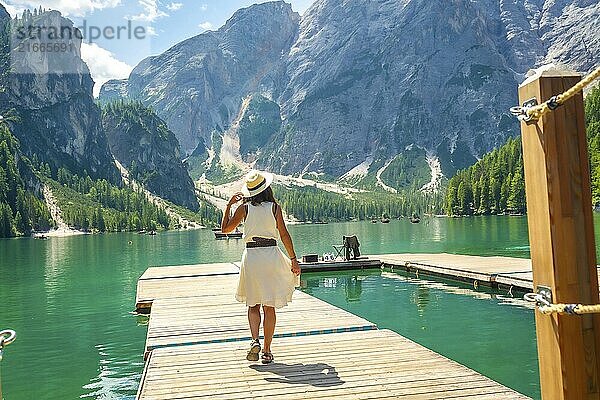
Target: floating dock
198, 337
508, 273
488, 271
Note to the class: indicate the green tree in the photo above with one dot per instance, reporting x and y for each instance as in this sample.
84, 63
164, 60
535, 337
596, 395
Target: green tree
465, 198
516, 198
6, 221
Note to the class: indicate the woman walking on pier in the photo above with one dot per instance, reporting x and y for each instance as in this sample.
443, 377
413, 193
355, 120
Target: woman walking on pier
267, 277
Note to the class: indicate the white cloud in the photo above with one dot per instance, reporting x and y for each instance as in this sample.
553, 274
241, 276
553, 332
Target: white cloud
151, 12
301, 5
174, 6
77, 8
206, 26
203, 7
103, 65
12, 10
151, 31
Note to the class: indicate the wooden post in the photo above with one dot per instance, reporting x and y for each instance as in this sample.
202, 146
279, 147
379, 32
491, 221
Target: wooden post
561, 234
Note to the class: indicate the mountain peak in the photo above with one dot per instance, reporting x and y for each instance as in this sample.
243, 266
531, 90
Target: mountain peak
262, 10
231, 63
260, 29
4, 15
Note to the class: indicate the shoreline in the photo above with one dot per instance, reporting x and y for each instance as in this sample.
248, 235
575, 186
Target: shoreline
59, 233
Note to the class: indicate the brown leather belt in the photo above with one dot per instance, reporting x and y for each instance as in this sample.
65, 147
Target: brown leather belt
261, 242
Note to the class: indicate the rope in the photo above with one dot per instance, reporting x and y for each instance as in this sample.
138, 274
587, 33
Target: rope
6, 337
532, 113
547, 308
571, 309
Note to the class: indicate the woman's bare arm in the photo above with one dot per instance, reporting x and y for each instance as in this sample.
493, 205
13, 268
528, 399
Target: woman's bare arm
286, 239
229, 223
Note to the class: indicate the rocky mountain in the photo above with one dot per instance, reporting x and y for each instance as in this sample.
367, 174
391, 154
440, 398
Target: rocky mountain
198, 85
259, 119
377, 92
21, 206
4, 15
51, 93
143, 144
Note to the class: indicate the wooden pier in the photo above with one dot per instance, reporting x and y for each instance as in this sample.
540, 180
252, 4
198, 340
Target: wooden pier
502, 272
198, 337
487, 271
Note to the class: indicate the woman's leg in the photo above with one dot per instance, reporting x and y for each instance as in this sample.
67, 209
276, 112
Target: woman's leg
254, 320
269, 327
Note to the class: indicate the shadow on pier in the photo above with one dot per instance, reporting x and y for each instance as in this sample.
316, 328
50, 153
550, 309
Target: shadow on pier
319, 375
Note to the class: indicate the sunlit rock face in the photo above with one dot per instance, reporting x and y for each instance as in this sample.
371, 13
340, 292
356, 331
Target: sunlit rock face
198, 85
143, 144
371, 78
51, 92
362, 82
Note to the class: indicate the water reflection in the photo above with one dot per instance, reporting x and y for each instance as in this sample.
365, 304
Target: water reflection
112, 382
423, 285
328, 282
435, 227
420, 298
353, 287
54, 268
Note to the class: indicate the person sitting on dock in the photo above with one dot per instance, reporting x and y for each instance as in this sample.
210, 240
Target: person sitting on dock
267, 276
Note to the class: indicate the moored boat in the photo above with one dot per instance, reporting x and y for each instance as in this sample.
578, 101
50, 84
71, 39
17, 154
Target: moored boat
232, 235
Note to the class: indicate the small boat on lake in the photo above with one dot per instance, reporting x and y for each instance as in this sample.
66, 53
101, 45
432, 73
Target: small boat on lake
233, 235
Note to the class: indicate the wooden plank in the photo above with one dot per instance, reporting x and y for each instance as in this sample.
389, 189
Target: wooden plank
179, 271
483, 270
340, 265
193, 320
520, 280
493, 271
150, 289
562, 239
467, 263
338, 365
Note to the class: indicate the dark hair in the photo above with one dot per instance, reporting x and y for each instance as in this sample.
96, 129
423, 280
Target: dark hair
264, 196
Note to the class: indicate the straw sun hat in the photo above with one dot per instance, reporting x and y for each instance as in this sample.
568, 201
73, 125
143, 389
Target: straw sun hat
256, 182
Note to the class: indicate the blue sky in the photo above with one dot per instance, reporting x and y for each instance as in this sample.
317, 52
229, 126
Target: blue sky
165, 22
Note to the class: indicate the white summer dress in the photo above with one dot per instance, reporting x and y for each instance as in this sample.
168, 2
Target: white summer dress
265, 275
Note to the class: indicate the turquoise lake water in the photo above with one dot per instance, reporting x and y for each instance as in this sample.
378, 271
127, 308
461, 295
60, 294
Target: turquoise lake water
70, 300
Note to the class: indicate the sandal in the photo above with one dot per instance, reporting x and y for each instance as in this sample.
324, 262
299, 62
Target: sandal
254, 350
267, 358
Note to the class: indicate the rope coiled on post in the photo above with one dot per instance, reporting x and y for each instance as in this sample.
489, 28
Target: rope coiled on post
547, 308
534, 113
